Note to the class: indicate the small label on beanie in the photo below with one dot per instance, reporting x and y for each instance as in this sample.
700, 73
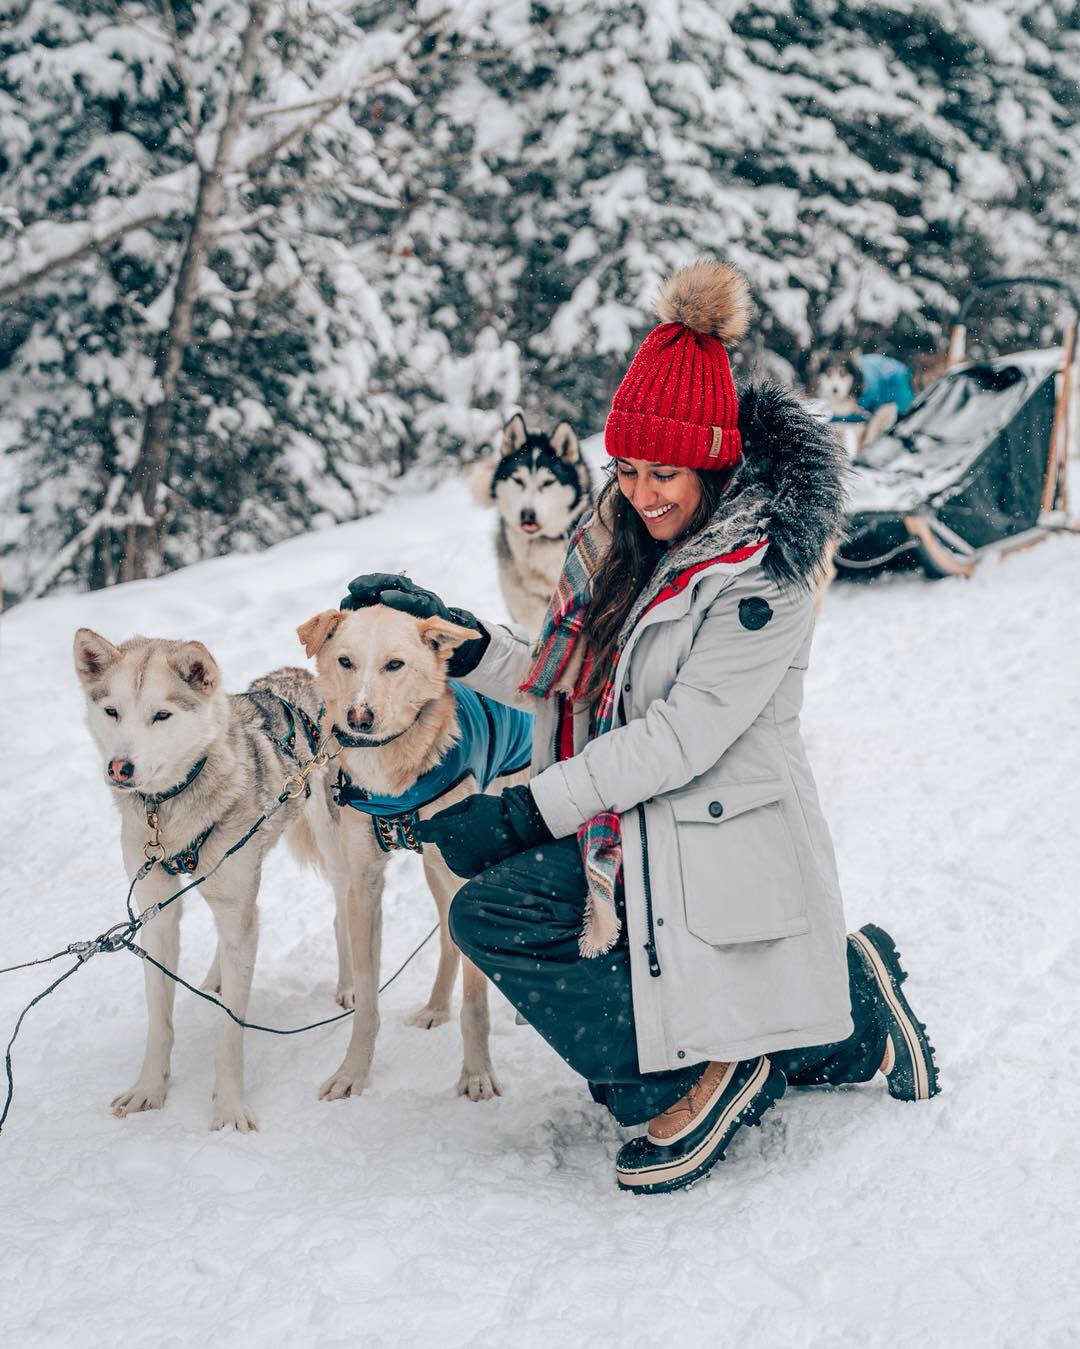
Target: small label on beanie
717, 441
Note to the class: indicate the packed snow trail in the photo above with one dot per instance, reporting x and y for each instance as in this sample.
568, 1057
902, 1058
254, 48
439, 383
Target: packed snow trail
942, 721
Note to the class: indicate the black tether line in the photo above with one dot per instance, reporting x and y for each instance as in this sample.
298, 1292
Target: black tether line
119, 937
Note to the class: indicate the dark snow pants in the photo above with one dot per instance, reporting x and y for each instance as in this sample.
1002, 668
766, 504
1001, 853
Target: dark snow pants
519, 922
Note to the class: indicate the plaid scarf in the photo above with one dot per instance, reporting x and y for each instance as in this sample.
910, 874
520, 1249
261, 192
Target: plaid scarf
563, 666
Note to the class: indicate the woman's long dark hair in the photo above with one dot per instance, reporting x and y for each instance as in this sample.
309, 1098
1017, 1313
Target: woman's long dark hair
629, 563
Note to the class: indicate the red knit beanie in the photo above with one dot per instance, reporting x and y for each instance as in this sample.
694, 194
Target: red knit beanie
676, 404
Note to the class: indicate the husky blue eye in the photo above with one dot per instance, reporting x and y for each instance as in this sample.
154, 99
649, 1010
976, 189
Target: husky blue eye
393, 665
344, 662
162, 716
112, 712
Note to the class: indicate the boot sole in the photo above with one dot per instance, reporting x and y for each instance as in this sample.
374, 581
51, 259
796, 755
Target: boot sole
913, 1075
761, 1092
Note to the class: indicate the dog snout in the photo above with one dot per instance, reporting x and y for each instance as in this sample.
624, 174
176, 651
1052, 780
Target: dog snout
361, 718
121, 770
528, 517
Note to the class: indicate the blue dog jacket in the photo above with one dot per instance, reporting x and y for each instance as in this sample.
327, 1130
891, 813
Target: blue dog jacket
494, 741
885, 380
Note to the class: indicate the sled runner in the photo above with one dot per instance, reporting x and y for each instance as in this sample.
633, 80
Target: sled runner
977, 464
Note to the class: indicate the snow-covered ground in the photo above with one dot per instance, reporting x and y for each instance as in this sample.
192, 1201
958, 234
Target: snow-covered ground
942, 720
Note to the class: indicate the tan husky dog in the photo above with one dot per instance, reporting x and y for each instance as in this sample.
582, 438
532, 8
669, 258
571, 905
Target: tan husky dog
208, 764
382, 678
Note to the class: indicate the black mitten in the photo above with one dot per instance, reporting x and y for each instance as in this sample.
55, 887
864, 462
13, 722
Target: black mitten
476, 833
396, 591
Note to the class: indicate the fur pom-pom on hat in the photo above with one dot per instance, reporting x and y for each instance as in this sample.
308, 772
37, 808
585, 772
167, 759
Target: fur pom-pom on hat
708, 297
677, 402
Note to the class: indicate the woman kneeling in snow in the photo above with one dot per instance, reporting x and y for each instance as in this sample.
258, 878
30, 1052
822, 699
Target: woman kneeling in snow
661, 902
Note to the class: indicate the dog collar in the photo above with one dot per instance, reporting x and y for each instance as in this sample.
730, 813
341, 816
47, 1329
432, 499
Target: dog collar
154, 799
494, 741
364, 742
361, 742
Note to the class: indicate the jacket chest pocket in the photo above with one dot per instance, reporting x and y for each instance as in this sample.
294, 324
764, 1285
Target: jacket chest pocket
741, 877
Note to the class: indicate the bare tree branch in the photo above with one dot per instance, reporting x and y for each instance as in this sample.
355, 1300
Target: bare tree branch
143, 543
105, 518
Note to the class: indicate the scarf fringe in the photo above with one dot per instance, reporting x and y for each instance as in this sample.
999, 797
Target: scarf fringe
601, 929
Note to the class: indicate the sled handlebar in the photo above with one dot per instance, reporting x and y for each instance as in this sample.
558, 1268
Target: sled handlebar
996, 283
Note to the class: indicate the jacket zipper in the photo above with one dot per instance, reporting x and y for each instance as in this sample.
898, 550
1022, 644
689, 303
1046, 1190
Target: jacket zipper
650, 945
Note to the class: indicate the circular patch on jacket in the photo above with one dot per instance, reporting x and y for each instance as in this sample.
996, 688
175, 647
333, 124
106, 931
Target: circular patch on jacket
754, 613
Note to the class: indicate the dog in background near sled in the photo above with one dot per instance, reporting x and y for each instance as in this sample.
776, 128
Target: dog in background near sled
864, 394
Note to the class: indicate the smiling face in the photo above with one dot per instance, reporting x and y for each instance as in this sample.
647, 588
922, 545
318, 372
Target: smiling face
152, 706
664, 497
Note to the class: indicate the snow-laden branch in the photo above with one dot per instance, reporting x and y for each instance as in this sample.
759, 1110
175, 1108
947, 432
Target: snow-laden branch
48, 245
182, 76
106, 518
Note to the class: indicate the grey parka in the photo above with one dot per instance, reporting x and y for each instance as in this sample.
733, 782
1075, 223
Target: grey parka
733, 908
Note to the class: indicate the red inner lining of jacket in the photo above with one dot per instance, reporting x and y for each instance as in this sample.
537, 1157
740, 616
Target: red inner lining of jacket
564, 737
680, 582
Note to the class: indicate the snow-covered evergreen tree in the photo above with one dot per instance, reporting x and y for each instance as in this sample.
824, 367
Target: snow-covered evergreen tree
862, 163
433, 212
285, 406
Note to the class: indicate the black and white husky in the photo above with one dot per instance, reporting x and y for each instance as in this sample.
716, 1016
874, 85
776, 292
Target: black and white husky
541, 487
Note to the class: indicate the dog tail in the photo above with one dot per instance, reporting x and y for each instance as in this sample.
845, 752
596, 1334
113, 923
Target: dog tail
303, 845
481, 477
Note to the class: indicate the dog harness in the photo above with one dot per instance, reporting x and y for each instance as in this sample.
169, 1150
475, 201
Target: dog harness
493, 741
295, 717
186, 861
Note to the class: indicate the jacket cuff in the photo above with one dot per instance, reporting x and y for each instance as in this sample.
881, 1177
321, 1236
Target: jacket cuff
565, 796
502, 667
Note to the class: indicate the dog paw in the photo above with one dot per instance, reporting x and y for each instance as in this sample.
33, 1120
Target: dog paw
235, 1112
140, 1097
428, 1017
346, 998
480, 1085
345, 1082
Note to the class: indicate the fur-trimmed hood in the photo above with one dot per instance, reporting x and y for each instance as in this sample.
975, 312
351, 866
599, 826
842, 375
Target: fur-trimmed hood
791, 479
789, 486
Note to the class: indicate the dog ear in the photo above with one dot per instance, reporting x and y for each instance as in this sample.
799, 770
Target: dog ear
564, 442
317, 631
93, 654
515, 434
444, 638
195, 666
